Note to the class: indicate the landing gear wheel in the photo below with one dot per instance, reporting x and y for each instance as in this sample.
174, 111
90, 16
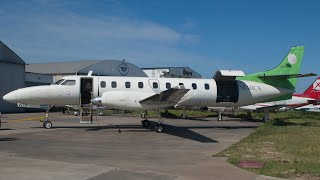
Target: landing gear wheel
159, 128
183, 116
47, 124
219, 118
145, 123
144, 116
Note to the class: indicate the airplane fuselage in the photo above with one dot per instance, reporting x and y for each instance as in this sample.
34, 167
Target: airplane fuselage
127, 92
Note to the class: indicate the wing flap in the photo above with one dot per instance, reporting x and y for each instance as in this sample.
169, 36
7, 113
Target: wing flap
169, 97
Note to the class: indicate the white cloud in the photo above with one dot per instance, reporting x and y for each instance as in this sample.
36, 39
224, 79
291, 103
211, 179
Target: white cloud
49, 34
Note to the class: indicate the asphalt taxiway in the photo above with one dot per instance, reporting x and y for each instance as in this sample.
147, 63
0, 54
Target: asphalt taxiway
118, 147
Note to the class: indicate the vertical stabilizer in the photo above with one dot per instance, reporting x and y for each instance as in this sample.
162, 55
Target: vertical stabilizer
313, 90
282, 75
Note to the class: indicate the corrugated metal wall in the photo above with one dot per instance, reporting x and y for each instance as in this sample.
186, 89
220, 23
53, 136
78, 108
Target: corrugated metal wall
12, 77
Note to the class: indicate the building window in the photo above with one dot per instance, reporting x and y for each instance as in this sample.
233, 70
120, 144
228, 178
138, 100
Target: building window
155, 85
206, 86
113, 84
102, 84
140, 85
168, 85
69, 83
194, 85
127, 84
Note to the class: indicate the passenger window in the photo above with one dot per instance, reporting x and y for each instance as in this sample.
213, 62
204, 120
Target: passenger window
113, 84
155, 85
102, 84
194, 85
128, 85
140, 85
206, 86
168, 85
69, 83
180, 84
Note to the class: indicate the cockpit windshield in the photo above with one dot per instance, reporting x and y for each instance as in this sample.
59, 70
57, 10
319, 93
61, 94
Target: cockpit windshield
58, 82
69, 82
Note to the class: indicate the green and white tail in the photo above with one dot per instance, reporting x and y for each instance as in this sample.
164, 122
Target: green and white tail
285, 74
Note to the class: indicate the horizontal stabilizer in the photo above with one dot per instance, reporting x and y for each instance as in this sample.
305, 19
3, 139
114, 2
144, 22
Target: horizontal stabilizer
169, 97
286, 76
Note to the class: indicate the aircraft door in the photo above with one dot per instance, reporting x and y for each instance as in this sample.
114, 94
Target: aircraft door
227, 91
86, 89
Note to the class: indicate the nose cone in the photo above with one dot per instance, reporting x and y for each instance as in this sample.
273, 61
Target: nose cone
11, 97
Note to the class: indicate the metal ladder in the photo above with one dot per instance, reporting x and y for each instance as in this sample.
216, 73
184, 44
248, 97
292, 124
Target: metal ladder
86, 114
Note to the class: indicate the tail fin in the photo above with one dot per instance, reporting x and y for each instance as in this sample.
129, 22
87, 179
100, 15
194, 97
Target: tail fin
313, 91
285, 74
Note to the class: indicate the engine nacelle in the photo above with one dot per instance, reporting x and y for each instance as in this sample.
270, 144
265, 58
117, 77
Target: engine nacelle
125, 100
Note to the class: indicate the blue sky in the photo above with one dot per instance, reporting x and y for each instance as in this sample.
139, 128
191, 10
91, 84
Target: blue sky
205, 35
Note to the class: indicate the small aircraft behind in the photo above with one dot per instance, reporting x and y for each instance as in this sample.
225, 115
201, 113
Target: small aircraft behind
227, 89
306, 100
309, 108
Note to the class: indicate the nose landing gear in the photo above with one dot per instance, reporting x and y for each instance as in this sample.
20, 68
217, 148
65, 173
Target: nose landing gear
46, 123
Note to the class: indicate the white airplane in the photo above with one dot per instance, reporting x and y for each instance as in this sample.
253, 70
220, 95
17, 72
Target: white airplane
309, 108
143, 93
306, 101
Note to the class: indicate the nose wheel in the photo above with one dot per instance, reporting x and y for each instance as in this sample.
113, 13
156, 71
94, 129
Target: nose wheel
47, 124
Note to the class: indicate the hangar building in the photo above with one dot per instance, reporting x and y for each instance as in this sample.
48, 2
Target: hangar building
12, 73
47, 73
171, 72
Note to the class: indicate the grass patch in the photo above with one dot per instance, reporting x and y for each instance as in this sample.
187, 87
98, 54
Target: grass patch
288, 145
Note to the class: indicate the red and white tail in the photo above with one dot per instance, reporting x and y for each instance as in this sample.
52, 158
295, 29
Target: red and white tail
313, 91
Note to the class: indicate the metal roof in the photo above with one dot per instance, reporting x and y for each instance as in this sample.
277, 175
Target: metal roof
99, 67
67, 67
185, 71
8, 56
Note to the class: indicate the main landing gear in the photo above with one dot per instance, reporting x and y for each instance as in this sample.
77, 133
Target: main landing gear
146, 123
159, 128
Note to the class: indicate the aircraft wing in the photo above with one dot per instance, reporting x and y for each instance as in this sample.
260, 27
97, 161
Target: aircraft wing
166, 98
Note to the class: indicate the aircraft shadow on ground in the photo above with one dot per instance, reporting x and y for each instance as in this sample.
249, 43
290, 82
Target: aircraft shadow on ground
179, 131
282, 122
5, 129
8, 139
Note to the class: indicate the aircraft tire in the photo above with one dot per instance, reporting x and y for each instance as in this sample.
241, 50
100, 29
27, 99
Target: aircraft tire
183, 116
47, 124
145, 123
219, 118
159, 128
